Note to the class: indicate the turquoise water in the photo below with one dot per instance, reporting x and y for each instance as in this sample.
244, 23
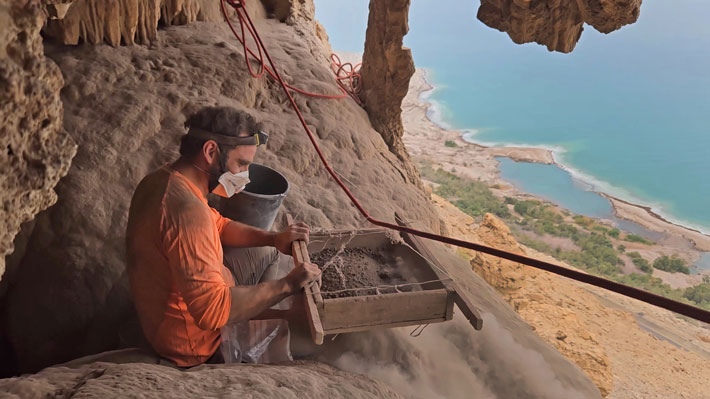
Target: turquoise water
628, 112
559, 186
553, 183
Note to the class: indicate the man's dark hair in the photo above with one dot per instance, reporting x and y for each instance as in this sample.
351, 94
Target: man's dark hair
226, 121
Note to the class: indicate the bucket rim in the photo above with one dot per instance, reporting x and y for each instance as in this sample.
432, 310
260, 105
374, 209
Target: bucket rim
266, 196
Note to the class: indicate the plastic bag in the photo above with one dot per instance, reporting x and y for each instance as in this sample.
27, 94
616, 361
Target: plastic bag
256, 341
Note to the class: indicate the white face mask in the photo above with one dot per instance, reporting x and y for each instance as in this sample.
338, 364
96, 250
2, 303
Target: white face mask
234, 182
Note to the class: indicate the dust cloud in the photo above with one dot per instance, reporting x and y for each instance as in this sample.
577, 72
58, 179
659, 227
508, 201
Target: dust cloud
449, 360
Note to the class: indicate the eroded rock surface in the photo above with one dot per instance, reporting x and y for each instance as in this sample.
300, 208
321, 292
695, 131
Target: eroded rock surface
290, 11
386, 69
556, 24
108, 380
126, 21
34, 150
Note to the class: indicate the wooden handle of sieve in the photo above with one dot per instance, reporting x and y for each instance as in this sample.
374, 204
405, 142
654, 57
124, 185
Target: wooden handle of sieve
299, 252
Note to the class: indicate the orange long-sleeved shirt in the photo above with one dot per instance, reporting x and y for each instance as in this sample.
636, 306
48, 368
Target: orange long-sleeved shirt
180, 287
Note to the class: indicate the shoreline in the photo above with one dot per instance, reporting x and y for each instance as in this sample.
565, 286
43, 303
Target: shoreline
643, 215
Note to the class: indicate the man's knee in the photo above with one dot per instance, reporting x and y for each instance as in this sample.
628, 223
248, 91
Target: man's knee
281, 266
249, 264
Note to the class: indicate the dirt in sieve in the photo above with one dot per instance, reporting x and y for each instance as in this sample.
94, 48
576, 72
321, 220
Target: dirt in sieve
358, 268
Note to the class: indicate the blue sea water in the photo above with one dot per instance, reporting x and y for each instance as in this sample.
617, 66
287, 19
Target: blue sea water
627, 112
557, 185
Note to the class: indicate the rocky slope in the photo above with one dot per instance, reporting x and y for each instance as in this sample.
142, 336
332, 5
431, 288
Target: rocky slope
557, 24
629, 349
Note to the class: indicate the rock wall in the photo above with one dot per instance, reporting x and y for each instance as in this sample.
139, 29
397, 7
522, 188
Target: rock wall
386, 69
290, 11
126, 21
301, 14
126, 107
556, 24
34, 150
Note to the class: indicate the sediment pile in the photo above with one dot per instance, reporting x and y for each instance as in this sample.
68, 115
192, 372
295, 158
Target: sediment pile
344, 271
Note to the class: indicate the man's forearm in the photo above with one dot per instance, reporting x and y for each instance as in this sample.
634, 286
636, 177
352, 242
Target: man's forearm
240, 235
251, 301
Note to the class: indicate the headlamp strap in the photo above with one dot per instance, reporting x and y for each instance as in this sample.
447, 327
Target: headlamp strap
255, 139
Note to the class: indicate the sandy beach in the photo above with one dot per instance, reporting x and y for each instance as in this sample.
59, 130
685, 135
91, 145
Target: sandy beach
425, 140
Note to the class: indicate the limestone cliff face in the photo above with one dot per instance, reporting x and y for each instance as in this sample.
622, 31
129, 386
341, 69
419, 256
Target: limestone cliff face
386, 69
556, 24
130, 22
290, 11
301, 15
34, 150
125, 21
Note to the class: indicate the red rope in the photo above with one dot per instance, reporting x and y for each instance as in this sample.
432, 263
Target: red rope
660, 301
346, 74
244, 21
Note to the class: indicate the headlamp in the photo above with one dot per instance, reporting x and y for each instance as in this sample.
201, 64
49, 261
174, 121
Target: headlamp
257, 139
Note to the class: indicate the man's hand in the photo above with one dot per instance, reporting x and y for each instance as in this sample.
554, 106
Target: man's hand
301, 276
294, 232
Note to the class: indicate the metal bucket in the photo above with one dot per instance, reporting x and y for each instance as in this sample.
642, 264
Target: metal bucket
258, 204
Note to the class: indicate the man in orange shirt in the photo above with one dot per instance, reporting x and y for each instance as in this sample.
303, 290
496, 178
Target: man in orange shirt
182, 291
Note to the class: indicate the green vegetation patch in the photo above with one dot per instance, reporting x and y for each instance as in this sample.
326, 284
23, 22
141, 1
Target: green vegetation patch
640, 262
450, 143
596, 254
638, 238
699, 294
672, 264
472, 197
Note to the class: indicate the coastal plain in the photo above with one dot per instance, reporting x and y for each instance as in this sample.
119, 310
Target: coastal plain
426, 142
628, 348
